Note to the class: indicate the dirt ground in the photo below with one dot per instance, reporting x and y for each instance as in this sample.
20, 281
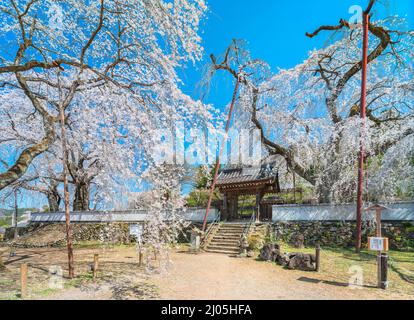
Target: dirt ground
189, 276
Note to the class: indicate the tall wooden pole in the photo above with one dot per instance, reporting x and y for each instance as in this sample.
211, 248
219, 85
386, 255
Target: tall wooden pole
66, 193
216, 170
294, 186
379, 235
362, 133
15, 215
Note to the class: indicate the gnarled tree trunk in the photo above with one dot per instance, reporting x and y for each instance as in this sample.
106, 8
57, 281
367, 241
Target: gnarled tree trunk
27, 156
53, 198
81, 200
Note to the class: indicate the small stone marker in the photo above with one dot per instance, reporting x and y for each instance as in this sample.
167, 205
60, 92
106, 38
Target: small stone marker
195, 240
244, 246
23, 280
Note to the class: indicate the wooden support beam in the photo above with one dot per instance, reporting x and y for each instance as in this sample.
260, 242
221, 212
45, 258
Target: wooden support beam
225, 207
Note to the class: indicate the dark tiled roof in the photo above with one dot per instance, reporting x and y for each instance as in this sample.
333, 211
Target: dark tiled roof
246, 174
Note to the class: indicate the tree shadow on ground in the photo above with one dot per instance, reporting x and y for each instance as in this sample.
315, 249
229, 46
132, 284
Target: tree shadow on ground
333, 283
18, 258
350, 254
402, 275
130, 290
189, 252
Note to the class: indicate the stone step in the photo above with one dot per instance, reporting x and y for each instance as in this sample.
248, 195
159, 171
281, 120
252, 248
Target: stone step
223, 245
224, 251
230, 230
228, 241
220, 234
232, 227
228, 236
230, 233
233, 239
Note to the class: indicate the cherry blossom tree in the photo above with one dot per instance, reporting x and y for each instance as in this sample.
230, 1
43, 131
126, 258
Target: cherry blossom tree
106, 72
309, 115
132, 45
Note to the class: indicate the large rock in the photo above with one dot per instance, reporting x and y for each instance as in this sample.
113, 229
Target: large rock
270, 252
298, 241
296, 260
301, 261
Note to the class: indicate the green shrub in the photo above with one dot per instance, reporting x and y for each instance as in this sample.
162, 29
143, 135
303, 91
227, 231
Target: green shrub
256, 241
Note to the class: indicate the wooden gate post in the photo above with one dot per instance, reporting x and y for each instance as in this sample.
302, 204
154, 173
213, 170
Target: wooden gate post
384, 271
380, 268
2, 266
140, 257
95, 265
225, 213
318, 258
23, 280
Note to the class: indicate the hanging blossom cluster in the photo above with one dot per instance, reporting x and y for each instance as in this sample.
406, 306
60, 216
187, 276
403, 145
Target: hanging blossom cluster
310, 114
111, 66
165, 222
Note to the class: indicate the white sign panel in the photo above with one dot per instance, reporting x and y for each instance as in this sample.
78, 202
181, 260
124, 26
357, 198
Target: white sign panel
377, 244
136, 230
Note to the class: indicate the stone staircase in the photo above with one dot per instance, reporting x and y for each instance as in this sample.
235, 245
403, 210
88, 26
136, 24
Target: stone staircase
226, 239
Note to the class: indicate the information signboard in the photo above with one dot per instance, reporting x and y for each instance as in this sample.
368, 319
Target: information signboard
378, 244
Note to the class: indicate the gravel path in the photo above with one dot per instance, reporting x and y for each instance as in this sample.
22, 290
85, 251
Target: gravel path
216, 276
190, 276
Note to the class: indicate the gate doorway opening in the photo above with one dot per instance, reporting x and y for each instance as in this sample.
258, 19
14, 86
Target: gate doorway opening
245, 192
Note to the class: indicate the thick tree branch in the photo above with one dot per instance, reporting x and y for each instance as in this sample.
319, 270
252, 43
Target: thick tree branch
276, 149
31, 65
26, 158
94, 34
385, 40
271, 146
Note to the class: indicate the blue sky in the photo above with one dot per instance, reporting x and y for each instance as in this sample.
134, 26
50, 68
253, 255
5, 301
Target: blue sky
275, 31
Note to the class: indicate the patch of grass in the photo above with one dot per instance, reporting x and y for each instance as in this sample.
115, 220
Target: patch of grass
337, 264
78, 280
5, 282
99, 244
9, 296
47, 291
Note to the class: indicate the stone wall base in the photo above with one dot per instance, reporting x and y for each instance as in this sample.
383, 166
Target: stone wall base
342, 233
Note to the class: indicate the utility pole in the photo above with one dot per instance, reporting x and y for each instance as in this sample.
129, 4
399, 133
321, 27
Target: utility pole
361, 160
66, 192
216, 170
15, 215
